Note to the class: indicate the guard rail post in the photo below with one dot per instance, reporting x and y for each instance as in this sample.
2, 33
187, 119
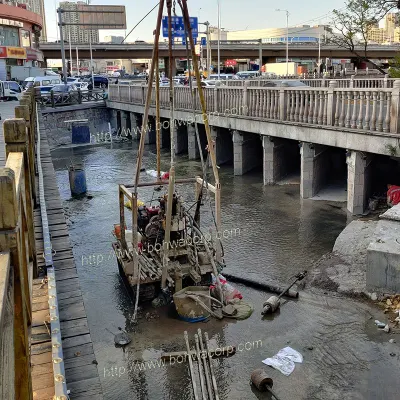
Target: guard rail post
331, 103
245, 104
395, 108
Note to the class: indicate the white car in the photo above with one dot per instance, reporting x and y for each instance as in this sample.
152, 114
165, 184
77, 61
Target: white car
209, 83
83, 86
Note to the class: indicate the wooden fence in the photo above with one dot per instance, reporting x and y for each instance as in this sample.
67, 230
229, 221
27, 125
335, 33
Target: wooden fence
365, 109
18, 263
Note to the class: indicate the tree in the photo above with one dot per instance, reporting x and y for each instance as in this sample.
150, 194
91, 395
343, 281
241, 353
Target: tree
394, 70
355, 23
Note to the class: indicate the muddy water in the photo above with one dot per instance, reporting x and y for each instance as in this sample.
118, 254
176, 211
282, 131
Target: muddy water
279, 236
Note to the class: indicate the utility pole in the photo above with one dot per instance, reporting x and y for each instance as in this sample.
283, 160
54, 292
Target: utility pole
70, 51
77, 61
287, 40
60, 24
91, 56
219, 39
319, 52
260, 55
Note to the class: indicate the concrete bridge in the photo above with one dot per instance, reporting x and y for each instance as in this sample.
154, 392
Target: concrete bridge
328, 135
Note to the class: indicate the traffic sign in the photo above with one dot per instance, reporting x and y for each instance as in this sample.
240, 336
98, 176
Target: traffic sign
178, 26
203, 41
184, 41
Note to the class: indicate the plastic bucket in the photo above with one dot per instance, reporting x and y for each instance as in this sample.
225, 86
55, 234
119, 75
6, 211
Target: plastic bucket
77, 179
187, 308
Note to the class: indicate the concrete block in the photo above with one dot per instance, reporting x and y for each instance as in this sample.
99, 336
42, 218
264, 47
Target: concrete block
383, 259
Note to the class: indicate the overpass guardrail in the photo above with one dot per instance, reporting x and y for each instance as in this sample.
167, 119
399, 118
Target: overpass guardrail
365, 109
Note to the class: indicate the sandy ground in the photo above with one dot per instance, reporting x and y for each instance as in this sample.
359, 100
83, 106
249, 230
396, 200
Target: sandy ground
344, 269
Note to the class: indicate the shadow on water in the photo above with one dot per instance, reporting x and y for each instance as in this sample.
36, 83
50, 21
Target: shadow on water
279, 235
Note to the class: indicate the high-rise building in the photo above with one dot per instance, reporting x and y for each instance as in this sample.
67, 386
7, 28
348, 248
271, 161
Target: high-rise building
391, 21
377, 35
77, 34
37, 6
113, 39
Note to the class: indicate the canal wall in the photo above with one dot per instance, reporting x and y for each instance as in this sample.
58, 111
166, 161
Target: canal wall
55, 122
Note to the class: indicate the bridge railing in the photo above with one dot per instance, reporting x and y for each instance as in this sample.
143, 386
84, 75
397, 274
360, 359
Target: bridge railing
17, 252
70, 98
352, 82
367, 109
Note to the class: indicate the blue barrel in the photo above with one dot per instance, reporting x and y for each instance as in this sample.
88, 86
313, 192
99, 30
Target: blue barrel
77, 180
80, 134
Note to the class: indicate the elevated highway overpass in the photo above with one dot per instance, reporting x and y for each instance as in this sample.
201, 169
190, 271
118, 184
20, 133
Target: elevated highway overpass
228, 50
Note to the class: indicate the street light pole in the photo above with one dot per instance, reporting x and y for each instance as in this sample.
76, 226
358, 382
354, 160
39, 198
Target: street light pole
59, 12
319, 53
287, 40
70, 51
91, 56
219, 38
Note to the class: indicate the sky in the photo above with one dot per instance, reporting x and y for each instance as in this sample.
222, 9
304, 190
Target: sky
235, 14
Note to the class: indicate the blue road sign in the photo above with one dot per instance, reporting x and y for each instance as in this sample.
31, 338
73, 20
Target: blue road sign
203, 41
178, 26
184, 41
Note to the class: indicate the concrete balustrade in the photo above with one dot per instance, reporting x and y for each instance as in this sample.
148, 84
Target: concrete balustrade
365, 109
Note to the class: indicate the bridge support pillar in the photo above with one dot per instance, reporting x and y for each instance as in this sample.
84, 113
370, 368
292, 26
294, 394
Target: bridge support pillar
279, 158
358, 179
135, 130
150, 137
165, 134
193, 148
126, 124
180, 137
313, 169
113, 119
223, 145
246, 152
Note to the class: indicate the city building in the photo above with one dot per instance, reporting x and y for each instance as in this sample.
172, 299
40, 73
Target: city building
113, 39
391, 21
396, 36
74, 31
20, 31
302, 33
37, 6
377, 35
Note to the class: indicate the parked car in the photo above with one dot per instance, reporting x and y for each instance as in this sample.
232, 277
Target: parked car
285, 83
210, 84
100, 81
221, 77
83, 86
72, 79
164, 82
64, 93
12, 91
40, 81
247, 74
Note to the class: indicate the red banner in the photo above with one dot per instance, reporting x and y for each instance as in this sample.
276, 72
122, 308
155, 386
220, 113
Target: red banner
3, 52
230, 63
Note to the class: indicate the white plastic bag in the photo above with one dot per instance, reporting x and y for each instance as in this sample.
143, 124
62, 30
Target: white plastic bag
284, 360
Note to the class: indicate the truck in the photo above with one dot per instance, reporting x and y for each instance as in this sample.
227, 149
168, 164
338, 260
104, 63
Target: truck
280, 68
20, 73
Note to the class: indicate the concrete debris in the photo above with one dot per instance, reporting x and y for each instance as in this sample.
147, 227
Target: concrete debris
392, 341
386, 329
374, 297
380, 324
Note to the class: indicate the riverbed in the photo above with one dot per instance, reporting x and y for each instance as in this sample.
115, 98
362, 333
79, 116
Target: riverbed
276, 235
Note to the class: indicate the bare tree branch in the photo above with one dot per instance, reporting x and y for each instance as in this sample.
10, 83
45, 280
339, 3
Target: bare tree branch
355, 22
